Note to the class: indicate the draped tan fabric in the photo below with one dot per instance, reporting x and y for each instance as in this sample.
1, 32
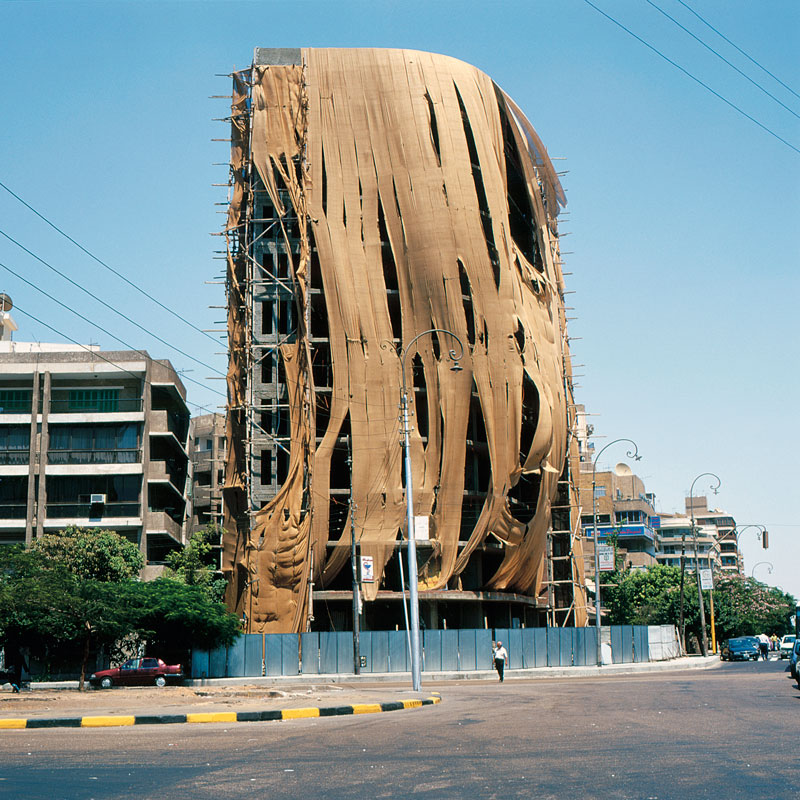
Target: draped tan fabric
426, 153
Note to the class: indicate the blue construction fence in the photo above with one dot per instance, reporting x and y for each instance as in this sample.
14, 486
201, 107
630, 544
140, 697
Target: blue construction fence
256, 655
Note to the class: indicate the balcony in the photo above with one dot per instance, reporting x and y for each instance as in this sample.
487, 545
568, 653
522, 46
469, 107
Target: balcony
14, 457
167, 472
164, 422
126, 456
13, 510
121, 405
93, 511
162, 522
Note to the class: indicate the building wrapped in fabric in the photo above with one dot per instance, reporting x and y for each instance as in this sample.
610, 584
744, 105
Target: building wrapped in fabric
377, 195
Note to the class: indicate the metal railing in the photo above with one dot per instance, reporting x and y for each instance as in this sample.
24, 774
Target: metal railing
117, 456
92, 510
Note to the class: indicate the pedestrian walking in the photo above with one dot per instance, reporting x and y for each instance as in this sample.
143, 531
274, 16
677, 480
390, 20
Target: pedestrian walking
763, 645
500, 656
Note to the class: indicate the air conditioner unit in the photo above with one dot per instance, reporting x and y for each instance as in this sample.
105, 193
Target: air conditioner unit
97, 498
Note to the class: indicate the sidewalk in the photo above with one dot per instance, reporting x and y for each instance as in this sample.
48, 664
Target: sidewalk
280, 697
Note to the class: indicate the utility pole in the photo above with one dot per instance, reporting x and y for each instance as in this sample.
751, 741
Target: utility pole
356, 621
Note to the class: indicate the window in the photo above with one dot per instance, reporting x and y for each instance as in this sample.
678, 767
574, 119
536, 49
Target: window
266, 467
15, 443
15, 401
599, 491
102, 400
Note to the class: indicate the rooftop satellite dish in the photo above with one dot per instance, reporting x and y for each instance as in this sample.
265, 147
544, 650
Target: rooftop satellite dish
622, 469
5, 302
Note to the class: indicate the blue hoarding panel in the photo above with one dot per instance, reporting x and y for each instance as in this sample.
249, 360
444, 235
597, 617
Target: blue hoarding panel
540, 646
328, 663
344, 650
290, 644
641, 644
272, 654
217, 659
528, 648
566, 646
627, 644
379, 662
199, 663
398, 651
253, 643
310, 644
553, 647
616, 644
432, 650
483, 648
235, 666
449, 650
467, 657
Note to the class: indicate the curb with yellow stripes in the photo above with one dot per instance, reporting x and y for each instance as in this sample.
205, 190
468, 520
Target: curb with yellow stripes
214, 716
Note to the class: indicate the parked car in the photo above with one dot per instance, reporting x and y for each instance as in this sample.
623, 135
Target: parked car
787, 643
138, 672
793, 658
740, 648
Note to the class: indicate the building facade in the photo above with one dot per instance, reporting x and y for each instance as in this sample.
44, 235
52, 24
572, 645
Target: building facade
724, 525
93, 439
207, 442
625, 514
699, 545
380, 198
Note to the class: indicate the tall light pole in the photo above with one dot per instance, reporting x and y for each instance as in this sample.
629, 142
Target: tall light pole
714, 489
597, 621
413, 589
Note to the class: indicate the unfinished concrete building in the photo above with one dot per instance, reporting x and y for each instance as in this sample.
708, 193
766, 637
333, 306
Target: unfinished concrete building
376, 195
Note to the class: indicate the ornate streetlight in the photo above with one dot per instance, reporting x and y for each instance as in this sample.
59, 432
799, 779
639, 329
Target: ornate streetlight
714, 488
630, 454
761, 533
402, 352
769, 568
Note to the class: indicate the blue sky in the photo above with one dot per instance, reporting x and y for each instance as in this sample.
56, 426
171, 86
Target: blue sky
682, 214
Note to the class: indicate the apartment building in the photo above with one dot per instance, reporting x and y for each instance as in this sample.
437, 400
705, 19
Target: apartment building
95, 439
625, 510
676, 535
207, 439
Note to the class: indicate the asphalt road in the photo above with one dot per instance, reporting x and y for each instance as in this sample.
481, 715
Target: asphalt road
727, 732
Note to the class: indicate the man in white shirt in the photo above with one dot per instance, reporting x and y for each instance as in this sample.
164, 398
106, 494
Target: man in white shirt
500, 659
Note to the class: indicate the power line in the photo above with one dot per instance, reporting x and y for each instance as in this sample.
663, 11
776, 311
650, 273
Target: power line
103, 264
739, 49
720, 56
94, 324
99, 354
102, 302
689, 75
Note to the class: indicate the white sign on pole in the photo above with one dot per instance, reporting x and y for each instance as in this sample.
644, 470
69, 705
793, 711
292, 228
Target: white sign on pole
421, 529
605, 557
367, 569
706, 579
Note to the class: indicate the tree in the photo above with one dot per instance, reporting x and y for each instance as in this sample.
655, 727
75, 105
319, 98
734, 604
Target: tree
91, 553
651, 597
193, 565
70, 594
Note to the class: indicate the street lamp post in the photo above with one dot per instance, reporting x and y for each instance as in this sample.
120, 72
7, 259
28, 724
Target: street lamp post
597, 621
769, 568
413, 589
696, 565
761, 533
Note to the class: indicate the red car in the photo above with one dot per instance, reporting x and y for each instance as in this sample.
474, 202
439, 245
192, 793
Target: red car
138, 672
